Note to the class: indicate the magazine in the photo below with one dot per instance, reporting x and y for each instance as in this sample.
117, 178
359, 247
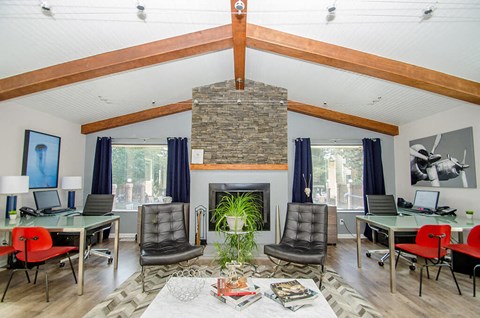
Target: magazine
250, 299
243, 287
292, 293
272, 296
236, 299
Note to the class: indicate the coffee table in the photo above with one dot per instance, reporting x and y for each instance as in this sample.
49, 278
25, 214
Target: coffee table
205, 305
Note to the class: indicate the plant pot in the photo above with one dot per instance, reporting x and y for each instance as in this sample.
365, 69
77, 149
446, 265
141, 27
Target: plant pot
13, 217
235, 223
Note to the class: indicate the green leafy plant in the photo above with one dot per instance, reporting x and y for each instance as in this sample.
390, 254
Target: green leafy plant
237, 246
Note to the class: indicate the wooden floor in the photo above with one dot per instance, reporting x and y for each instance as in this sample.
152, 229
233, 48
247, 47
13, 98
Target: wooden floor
440, 298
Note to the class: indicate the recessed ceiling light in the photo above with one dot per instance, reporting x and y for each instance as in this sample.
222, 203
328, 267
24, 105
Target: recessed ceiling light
46, 8
331, 10
428, 12
141, 14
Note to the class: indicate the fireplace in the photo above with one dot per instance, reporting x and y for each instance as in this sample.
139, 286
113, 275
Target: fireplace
218, 190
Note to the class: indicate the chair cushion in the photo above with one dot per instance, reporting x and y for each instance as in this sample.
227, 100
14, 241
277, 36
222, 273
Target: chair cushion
465, 249
422, 251
297, 254
40, 256
168, 252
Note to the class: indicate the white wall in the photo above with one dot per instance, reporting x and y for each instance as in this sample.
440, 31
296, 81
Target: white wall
462, 117
14, 120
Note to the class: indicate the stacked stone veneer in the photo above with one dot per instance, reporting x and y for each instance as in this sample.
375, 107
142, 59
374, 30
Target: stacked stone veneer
253, 131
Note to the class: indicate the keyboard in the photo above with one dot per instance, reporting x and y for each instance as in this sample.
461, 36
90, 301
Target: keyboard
58, 211
424, 211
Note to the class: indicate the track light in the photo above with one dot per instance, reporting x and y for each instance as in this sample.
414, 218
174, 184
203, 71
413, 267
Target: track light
239, 6
46, 8
141, 14
427, 13
331, 13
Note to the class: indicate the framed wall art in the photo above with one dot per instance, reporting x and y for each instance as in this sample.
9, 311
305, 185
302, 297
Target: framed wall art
41, 156
444, 160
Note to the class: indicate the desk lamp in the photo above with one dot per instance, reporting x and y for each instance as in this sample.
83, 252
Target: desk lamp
71, 184
12, 185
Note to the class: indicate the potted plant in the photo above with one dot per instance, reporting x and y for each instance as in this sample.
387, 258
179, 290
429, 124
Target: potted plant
237, 217
13, 215
469, 214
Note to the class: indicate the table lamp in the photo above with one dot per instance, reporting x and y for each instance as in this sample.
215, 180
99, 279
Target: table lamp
71, 184
12, 185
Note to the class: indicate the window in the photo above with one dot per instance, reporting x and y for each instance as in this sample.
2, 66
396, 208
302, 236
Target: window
139, 174
338, 176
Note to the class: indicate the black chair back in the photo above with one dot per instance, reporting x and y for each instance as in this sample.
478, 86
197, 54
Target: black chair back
98, 204
381, 204
163, 223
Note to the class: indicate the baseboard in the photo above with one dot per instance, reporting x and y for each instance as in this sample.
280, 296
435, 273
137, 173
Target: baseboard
349, 236
124, 236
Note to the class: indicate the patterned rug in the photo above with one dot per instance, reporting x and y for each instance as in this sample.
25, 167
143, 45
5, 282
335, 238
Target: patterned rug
129, 301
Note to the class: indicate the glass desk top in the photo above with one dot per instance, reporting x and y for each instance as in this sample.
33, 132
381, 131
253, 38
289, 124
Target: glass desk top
58, 222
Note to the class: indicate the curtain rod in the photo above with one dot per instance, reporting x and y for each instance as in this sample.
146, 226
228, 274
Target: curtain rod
333, 141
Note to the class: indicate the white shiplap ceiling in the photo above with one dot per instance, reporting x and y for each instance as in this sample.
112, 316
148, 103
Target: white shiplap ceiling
448, 42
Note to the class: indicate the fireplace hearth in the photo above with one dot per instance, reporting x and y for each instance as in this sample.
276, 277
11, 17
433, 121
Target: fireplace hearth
218, 190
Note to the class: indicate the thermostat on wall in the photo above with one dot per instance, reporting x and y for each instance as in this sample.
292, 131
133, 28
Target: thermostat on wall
197, 156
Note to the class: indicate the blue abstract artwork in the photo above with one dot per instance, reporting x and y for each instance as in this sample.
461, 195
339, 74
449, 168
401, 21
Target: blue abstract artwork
41, 156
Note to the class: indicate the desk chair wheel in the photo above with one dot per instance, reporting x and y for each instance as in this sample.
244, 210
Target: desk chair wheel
61, 264
380, 263
108, 252
110, 260
368, 254
412, 267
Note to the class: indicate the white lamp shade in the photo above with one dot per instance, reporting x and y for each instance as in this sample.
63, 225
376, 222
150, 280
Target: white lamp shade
71, 183
14, 184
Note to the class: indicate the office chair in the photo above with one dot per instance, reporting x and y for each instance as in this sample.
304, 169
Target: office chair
35, 247
431, 243
385, 205
164, 237
471, 249
96, 205
5, 250
304, 239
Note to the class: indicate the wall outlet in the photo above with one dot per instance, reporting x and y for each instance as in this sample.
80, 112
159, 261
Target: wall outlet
342, 221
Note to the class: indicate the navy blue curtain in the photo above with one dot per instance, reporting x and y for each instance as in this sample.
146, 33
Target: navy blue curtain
302, 174
373, 182
178, 170
102, 167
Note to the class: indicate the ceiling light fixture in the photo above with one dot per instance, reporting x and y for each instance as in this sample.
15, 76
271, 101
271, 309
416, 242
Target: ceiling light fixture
239, 6
141, 14
46, 8
428, 12
331, 10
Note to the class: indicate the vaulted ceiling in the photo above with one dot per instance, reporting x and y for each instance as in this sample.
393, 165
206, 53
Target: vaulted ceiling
376, 64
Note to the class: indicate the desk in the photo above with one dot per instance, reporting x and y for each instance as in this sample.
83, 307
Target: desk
408, 222
80, 224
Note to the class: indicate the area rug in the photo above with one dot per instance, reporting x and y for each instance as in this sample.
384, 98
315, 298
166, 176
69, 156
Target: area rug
129, 301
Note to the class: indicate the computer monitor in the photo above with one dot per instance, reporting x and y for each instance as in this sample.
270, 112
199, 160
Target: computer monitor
426, 200
46, 200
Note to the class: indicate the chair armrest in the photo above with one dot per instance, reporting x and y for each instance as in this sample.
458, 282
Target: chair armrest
73, 214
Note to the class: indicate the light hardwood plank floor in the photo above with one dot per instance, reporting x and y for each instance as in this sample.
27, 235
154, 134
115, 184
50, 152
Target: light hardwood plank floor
440, 298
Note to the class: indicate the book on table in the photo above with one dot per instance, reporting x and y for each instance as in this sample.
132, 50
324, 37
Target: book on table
270, 294
292, 293
238, 298
242, 286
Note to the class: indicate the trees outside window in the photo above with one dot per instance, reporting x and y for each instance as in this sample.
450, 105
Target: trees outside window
338, 176
139, 174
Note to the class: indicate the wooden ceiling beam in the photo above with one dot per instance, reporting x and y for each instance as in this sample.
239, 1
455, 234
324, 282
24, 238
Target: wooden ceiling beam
239, 33
363, 63
343, 118
191, 44
137, 117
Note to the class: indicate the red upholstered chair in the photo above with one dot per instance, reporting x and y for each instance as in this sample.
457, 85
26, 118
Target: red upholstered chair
35, 247
5, 250
430, 243
472, 249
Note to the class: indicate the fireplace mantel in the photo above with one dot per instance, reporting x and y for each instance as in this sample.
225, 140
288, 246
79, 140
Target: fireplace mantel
239, 166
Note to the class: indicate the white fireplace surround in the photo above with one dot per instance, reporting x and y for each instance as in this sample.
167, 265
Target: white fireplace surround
199, 195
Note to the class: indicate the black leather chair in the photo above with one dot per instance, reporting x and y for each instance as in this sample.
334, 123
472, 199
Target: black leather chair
164, 237
384, 205
304, 239
95, 205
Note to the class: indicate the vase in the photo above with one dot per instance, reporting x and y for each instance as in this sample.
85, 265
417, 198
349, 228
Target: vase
235, 223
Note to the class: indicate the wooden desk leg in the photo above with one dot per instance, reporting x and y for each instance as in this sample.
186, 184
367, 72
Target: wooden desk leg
359, 245
393, 274
81, 261
116, 244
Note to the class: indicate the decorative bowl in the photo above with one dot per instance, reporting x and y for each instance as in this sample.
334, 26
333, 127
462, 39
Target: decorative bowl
186, 285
